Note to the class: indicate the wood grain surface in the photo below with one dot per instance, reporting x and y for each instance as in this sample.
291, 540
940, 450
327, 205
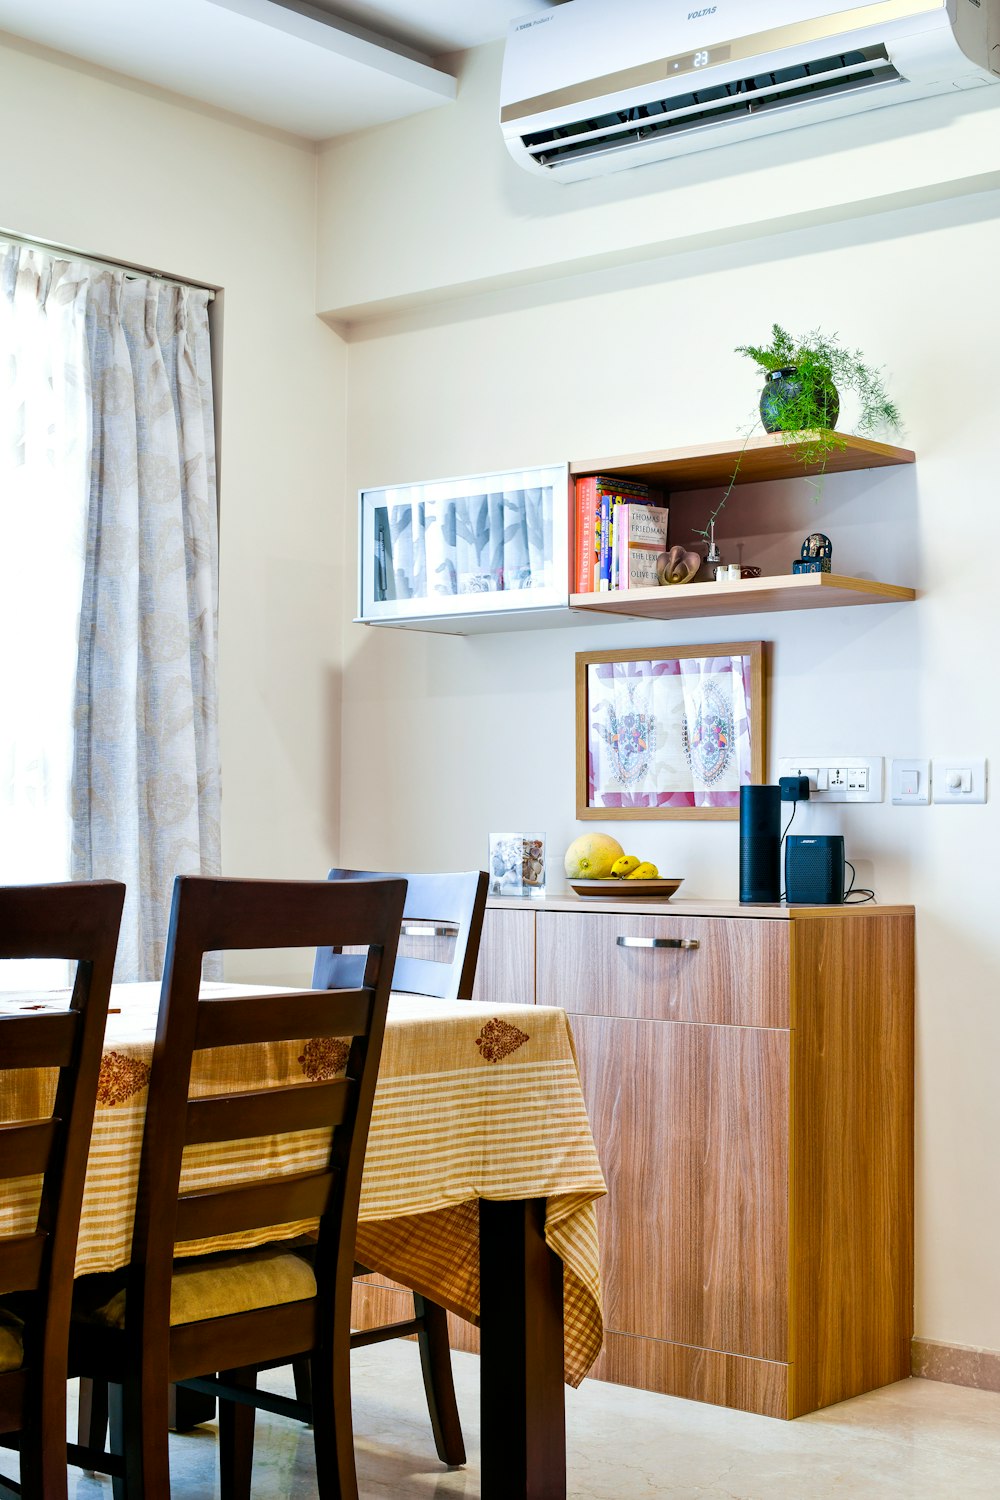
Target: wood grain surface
506, 971
755, 1385
738, 974
691, 1127
774, 456
851, 1262
695, 601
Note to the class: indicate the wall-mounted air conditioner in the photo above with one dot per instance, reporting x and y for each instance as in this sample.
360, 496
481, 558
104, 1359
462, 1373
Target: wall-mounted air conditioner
593, 87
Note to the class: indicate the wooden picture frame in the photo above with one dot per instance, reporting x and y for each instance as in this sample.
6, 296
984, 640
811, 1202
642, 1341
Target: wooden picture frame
669, 732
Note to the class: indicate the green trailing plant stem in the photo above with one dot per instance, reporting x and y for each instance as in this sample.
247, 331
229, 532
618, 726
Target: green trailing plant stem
823, 368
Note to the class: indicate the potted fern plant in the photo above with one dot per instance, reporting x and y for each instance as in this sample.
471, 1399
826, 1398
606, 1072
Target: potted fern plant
801, 395
804, 377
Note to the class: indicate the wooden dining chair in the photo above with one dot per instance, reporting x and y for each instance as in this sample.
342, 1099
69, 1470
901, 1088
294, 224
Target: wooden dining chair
174, 1320
441, 930
48, 1117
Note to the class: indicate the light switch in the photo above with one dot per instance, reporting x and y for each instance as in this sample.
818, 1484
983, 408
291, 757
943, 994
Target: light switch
911, 783
960, 778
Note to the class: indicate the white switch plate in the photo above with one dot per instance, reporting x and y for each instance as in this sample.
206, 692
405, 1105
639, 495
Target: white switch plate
910, 782
837, 778
970, 773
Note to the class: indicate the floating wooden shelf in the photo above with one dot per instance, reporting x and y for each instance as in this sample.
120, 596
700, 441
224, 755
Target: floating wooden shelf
772, 457
689, 601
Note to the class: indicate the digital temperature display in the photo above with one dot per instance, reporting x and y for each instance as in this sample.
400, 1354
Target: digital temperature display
705, 58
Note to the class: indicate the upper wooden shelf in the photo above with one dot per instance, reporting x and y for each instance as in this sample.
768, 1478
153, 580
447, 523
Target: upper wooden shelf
763, 458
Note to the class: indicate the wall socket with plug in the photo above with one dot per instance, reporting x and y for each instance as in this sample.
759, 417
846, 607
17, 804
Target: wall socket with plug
838, 778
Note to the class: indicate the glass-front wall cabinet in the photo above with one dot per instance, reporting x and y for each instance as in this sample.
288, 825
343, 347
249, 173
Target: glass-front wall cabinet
487, 544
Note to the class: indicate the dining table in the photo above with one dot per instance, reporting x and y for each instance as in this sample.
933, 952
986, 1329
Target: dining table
479, 1185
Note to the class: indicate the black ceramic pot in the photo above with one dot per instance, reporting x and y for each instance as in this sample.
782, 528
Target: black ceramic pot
783, 386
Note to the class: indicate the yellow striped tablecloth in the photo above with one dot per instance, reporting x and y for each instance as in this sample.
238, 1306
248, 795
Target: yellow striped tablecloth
472, 1102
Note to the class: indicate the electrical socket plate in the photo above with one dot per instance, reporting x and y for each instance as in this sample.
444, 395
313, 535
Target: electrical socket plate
838, 778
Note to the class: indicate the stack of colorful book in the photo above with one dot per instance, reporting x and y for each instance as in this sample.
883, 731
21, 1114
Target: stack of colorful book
621, 528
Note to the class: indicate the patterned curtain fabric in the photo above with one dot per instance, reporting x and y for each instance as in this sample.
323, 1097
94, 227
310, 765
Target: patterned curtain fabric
44, 476
146, 776
109, 763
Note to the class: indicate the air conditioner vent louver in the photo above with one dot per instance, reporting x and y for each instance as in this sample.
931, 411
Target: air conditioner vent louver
739, 98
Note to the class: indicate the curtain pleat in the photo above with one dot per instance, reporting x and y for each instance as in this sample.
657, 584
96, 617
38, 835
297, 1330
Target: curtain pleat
146, 782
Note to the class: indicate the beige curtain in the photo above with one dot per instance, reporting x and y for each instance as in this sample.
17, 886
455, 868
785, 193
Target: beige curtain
146, 766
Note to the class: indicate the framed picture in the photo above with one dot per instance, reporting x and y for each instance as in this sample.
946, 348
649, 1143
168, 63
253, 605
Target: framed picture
517, 864
668, 733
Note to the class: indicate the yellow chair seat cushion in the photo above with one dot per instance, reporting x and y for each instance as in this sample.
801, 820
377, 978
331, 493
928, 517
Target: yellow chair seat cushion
11, 1341
213, 1286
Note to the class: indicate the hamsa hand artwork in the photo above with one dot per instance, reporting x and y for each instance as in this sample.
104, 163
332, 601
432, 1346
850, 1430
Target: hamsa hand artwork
628, 729
709, 734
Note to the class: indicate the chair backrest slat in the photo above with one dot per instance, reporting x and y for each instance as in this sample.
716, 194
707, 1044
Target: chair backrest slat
21, 1261
453, 900
278, 1200
230, 1022
25, 1149
238, 1117
49, 1041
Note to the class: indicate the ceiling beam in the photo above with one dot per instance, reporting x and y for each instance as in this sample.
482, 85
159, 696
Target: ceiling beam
354, 43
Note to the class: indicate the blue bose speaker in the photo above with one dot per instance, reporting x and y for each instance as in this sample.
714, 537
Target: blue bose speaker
814, 869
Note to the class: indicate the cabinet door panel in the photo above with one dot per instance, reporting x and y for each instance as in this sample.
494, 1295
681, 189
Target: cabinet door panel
691, 1125
736, 975
505, 973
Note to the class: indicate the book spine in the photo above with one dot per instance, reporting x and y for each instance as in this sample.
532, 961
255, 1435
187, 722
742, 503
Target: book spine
604, 564
621, 537
585, 549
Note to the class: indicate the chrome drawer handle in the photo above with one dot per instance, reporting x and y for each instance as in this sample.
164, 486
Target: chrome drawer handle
630, 942
429, 929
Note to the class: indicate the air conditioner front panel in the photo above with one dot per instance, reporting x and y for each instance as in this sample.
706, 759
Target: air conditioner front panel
589, 51
732, 88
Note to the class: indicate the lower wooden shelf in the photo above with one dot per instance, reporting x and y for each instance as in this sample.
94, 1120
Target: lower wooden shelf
690, 601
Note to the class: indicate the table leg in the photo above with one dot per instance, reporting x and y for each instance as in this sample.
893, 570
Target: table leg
523, 1413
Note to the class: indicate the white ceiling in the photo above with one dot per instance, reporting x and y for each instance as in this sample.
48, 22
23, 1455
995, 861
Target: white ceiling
289, 65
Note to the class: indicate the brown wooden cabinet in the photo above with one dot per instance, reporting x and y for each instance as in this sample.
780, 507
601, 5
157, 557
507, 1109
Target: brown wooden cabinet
749, 1075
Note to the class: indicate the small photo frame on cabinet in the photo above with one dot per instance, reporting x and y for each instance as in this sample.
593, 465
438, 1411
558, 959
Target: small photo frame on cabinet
517, 864
669, 733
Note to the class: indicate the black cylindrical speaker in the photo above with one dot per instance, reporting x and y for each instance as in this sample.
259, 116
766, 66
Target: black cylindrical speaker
760, 843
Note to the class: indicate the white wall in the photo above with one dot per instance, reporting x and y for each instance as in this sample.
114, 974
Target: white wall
109, 167
447, 738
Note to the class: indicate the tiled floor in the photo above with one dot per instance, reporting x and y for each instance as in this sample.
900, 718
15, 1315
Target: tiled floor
916, 1439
